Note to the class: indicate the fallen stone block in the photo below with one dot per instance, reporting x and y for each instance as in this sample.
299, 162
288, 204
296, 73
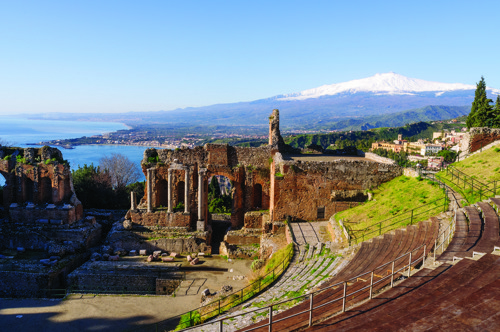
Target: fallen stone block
174, 254
167, 259
143, 252
205, 292
120, 251
132, 253
150, 258
20, 249
194, 261
157, 252
45, 262
201, 254
189, 258
164, 254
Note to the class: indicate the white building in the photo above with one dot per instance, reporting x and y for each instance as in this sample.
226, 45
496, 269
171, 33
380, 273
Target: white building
430, 149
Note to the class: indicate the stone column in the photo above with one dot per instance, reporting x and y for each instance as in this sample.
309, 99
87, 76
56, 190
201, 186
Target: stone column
150, 189
186, 190
133, 205
169, 190
200, 226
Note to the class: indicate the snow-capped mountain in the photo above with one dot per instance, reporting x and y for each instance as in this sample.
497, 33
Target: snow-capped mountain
386, 83
325, 106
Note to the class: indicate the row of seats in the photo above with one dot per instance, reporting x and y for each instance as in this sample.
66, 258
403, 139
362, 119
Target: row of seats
462, 297
370, 256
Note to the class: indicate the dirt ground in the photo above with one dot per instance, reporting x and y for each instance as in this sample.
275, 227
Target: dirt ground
114, 312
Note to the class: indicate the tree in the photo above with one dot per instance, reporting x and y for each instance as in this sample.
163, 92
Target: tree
496, 113
121, 170
447, 155
214, 189
481, 110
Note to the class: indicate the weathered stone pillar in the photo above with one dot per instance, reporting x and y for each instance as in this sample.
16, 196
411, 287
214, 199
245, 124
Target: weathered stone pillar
200, 225
169, 190
133, 205
150, 189
186, 190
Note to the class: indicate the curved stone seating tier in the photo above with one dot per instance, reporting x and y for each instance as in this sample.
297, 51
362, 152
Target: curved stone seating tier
302, 273
482, 236
459, 238
370, 256
461, 297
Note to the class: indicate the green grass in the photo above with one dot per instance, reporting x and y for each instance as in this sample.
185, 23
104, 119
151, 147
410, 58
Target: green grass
392, 204
483, 167
278, 257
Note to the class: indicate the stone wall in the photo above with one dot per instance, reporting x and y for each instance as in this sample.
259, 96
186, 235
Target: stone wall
307, 190
153, 238
160, 218
136, 279
478, 138
41, 178
42, 237
56, 215
410, 172
22, 284
377, 158
254, 219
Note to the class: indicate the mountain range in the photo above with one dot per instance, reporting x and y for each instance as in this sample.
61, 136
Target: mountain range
365, 102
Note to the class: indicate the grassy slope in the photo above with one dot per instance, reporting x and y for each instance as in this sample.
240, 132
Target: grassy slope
484, 166
394, 200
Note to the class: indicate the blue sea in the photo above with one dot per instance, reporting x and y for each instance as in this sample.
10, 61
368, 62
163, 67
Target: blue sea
22, 132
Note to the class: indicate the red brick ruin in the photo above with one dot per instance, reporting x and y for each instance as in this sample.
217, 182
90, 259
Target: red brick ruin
264, 178
38, 187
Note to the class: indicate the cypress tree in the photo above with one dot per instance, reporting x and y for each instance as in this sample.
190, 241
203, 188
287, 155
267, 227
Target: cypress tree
481, 109
496, 113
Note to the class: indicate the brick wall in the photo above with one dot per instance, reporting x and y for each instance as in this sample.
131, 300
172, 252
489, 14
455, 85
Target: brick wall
307, 186
481, 137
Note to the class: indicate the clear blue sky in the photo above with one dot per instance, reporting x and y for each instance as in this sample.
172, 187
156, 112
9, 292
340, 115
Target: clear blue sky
121, 56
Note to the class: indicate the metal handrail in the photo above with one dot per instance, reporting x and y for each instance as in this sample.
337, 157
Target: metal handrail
411, 262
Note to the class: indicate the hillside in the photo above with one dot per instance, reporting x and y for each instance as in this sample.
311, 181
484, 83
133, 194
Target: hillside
481, 173
363, 139
392, 203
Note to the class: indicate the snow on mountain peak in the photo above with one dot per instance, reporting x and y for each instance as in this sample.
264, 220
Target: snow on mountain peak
385, 83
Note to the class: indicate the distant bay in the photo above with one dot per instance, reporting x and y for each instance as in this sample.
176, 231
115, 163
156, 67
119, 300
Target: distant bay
21, 132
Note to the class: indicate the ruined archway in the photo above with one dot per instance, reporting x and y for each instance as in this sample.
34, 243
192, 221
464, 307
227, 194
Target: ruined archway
220, 208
